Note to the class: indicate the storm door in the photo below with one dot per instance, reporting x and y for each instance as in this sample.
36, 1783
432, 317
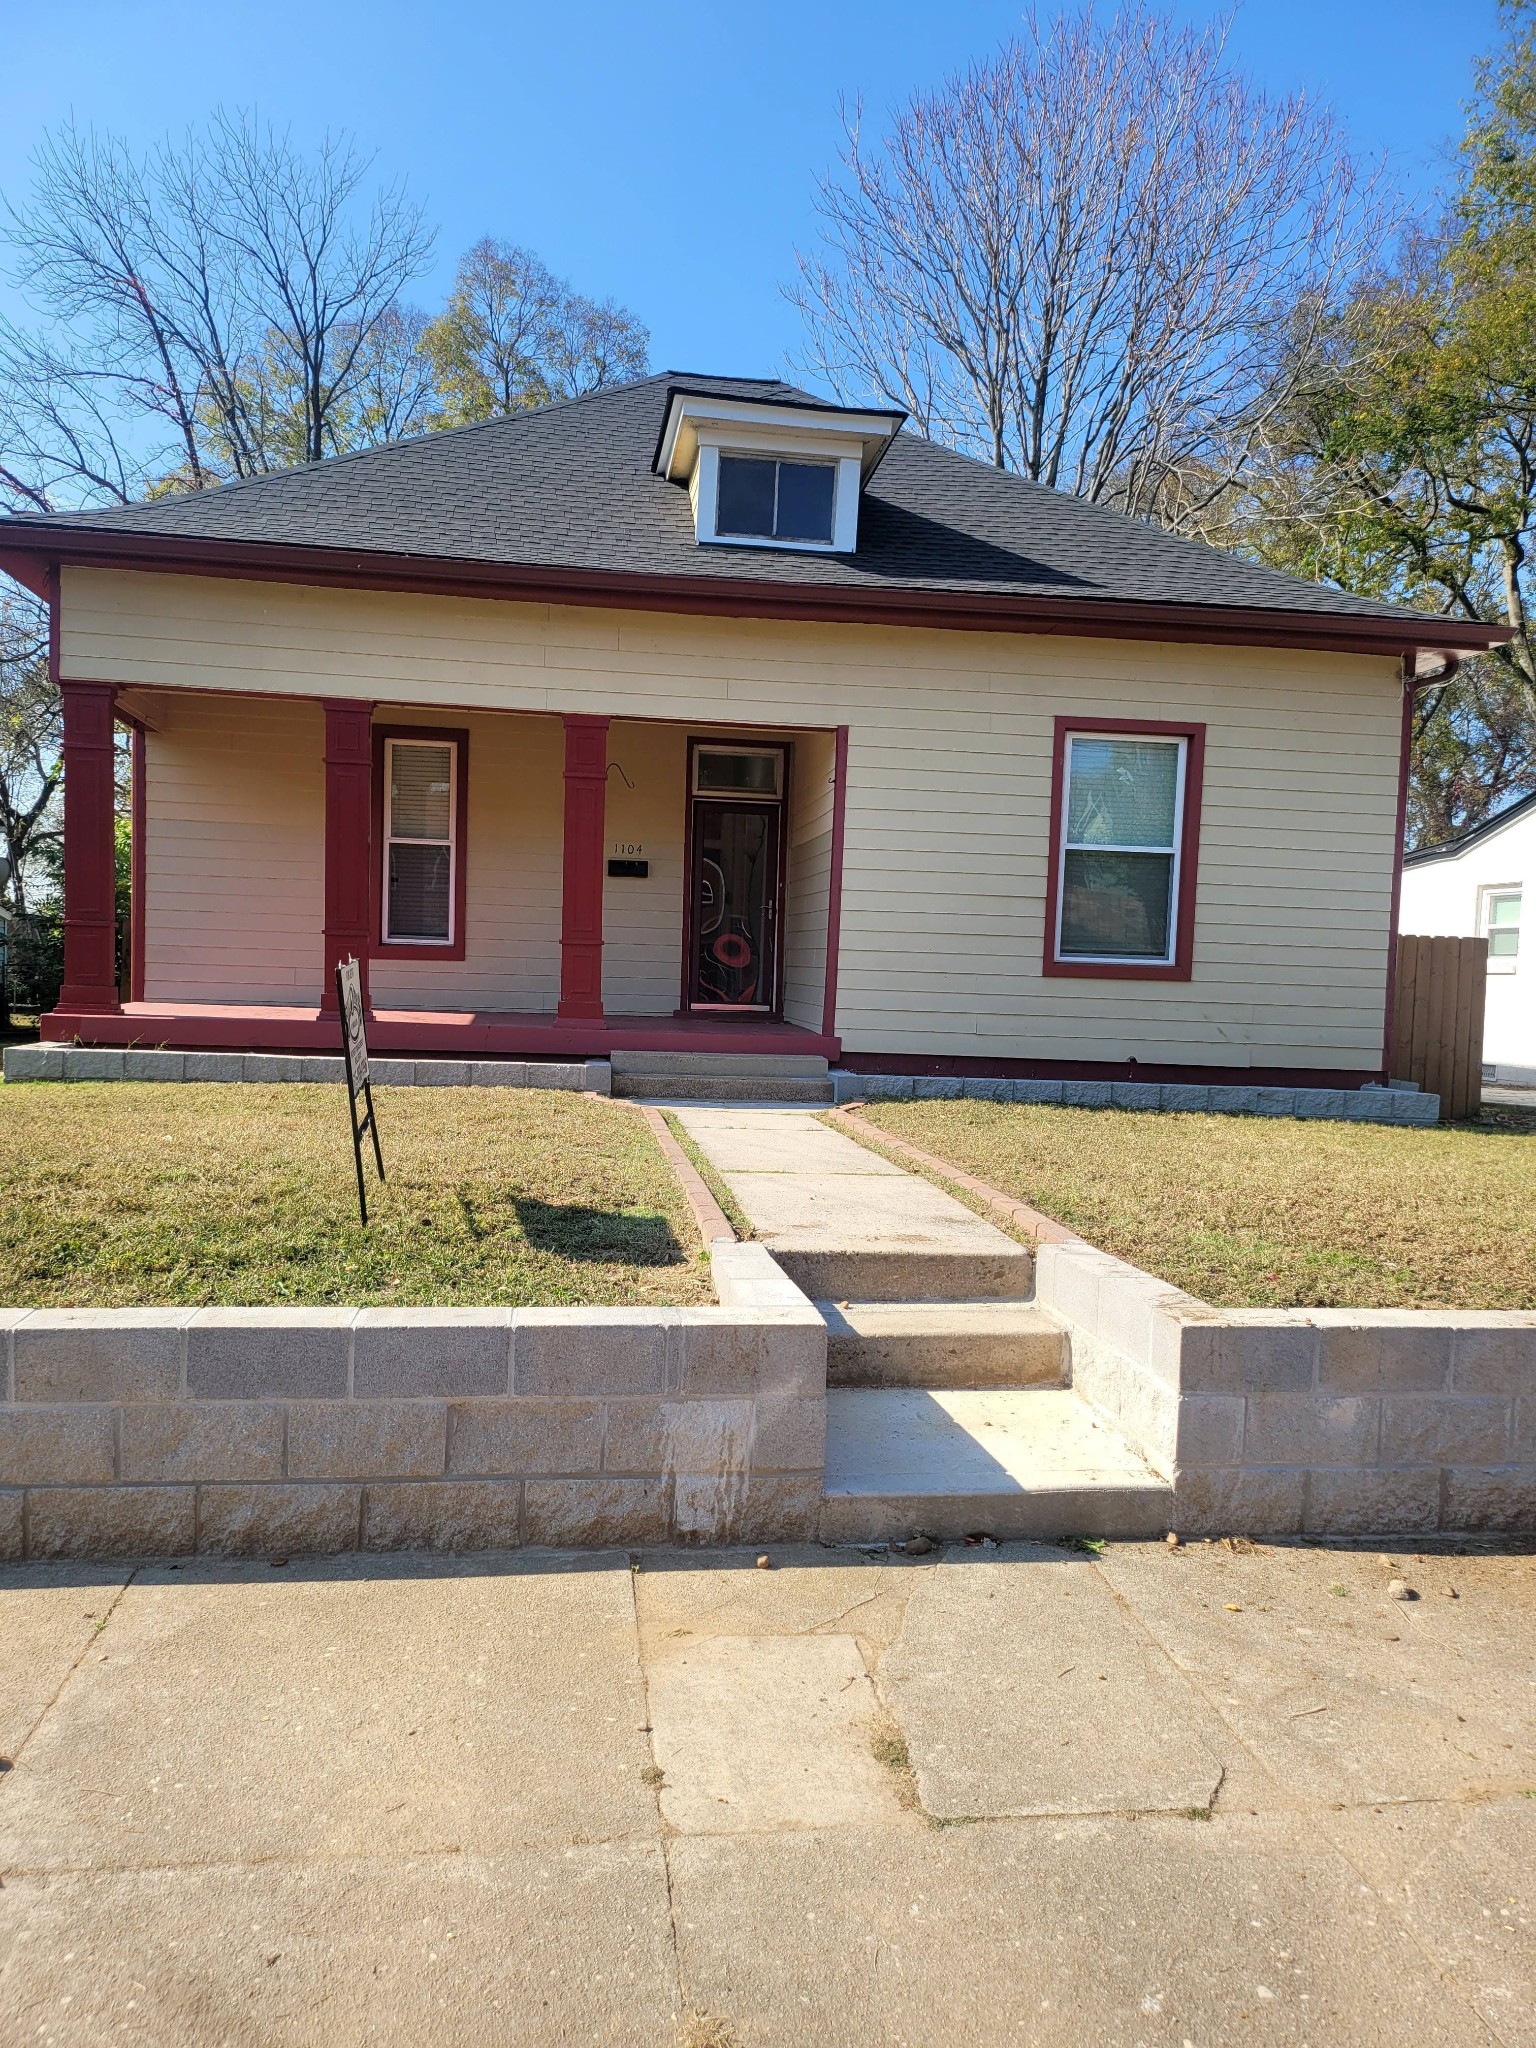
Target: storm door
735, 878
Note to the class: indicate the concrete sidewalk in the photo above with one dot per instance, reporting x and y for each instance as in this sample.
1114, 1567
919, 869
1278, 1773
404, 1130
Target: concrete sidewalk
1205, 1796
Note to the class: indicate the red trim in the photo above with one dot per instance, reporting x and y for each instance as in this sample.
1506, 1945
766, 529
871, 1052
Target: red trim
835, 879
1404, 768
987, 1066
1181, 967
348, 837
743, 597
139, 856
451, 1034
581, 894
90, 859
456, 736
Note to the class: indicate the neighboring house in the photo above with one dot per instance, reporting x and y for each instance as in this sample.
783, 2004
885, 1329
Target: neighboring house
1479, 885
702, 713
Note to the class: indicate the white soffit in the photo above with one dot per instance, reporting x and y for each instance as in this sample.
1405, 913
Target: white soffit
777, 429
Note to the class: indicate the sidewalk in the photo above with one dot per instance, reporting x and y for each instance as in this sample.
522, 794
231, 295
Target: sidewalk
1203, 1796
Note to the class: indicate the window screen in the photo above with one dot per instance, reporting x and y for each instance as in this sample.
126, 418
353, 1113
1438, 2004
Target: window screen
1119, 874
759, 498
420, 811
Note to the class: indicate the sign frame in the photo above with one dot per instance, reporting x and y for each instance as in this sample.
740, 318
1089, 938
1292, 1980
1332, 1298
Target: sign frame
354, 1051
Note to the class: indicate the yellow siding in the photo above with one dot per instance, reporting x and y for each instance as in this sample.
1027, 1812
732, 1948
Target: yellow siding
948, 798
806, 878
643, 919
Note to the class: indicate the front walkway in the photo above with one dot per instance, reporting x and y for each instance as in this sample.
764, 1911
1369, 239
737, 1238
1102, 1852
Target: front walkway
1205, 1796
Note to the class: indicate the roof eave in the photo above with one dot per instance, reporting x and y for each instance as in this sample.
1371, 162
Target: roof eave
31, 551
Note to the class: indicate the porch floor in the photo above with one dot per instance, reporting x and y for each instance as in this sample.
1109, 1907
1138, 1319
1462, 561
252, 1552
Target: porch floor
456, 1034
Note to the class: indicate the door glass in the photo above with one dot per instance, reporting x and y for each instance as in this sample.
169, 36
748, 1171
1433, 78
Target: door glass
736, 860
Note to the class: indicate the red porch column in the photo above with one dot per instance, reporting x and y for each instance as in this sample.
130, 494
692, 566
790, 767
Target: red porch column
90, 867
348, 839
581, 900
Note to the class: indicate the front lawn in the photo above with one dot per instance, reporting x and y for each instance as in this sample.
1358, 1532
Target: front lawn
1248, 1212
123, 1194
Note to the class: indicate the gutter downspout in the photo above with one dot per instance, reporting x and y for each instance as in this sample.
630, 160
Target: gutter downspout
1413, 682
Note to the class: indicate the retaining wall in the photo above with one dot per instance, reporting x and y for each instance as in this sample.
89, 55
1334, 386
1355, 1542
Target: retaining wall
168, 1432
1397, 1104
99, 1063
1327, 1421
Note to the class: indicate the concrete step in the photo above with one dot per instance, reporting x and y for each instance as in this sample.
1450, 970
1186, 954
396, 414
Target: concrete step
943, 1344
909, 1275
1035, 1463
722, 1088
752, 1066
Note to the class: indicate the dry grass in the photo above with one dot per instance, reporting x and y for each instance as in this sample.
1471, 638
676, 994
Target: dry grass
1249, 1213
120, 1194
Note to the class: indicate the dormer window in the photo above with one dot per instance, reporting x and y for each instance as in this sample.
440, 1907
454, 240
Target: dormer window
772, 472
762, 499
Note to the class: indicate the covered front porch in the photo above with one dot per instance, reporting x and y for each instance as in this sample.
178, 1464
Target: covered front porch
515, 883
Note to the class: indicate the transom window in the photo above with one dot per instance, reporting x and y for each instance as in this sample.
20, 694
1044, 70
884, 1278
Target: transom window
1501, 921
762, 498
420, 854
738, 771
1118, 889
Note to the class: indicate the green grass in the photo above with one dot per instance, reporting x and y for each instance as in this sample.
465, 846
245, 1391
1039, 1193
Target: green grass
123, 1194
1259, 1212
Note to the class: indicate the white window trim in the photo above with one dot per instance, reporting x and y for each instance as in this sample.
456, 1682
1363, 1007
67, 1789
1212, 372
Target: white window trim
393, 838
704, 489
1509, 963
1169, 957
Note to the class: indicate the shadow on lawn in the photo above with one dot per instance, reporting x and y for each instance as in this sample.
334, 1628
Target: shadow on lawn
608, 1237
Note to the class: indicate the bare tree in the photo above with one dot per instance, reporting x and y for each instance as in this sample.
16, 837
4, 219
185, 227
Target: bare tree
1073, 259
31, 744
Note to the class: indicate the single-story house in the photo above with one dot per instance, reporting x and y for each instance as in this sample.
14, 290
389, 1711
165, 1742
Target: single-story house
1474, 886
703, 714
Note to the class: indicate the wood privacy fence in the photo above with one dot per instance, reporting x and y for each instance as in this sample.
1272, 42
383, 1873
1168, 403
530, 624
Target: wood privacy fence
1437, 1026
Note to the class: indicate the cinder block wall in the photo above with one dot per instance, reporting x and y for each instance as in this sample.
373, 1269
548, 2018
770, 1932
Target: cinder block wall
1329, 1421
231, 1431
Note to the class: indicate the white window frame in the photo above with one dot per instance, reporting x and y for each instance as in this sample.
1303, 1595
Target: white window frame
392, 838
1169, 957
704, 489
1507, 963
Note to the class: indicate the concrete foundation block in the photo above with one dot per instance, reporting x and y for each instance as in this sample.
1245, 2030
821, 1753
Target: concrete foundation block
444, 1073
1303, 1429
71, 1446
1319, 1102
1043, 1092
367, 1440
1253, 1351
1210, 1430
977, 1090
12, 1525
710, 1437
1243, 1502
111, 1521
327, 1067
1523, 1434
213, 1066
785, 1508
84, 1354
1389, 1501
555, 1074
1136, 1094
1415, 1109
154, 1066
1469, 1430
92, 1063
181, 1441
1275, 1102
782, 1351
594, 1352
1188, 1096
421, 1352
790, 1435
247, 1353
282, 1520
1390, 1355
271, 1066
392, 1073
598, 1077
500, 1074
443, 1514
1235, 1100
937, 1088
524, 1435
596, 1514
34, 1063
1087, 1094
1496, 1360
872, 1087
1067, 1280
1490, 1497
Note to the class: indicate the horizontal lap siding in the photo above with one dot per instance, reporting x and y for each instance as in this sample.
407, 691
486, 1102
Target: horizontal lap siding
643, 916
807, 879
948, 792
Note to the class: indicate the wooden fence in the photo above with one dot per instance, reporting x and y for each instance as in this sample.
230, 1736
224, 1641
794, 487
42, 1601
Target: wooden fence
1437, 1026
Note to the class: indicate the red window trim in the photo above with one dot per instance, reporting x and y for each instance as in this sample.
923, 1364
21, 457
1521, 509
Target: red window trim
1181, 967
381, 948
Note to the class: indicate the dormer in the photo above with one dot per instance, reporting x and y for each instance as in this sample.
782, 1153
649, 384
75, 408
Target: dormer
772, 473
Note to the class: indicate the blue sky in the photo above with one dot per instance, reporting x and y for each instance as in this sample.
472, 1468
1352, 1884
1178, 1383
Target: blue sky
666, 152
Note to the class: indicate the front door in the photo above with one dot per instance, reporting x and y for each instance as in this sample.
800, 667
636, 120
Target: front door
734, 878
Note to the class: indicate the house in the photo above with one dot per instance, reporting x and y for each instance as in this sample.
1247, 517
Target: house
1474, 886
701, 714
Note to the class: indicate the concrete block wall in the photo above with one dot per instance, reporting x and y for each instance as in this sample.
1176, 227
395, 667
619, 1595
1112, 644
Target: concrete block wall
172, 1432
100, 1063
1393, 1105
1289, 1421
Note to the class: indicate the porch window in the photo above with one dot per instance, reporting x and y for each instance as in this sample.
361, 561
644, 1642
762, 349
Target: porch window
421, 810
1125, 816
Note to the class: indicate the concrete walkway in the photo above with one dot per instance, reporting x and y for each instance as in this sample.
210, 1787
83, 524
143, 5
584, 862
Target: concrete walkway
1201, 1797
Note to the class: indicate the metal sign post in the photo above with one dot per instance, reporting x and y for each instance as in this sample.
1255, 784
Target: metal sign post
354, 1046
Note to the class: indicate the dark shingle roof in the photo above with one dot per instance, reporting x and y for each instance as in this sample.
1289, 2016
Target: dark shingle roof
571, 487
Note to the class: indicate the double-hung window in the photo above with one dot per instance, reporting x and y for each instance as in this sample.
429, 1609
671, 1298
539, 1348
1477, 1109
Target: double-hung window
421, 850
1501, 922
763, 498
1123, 799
